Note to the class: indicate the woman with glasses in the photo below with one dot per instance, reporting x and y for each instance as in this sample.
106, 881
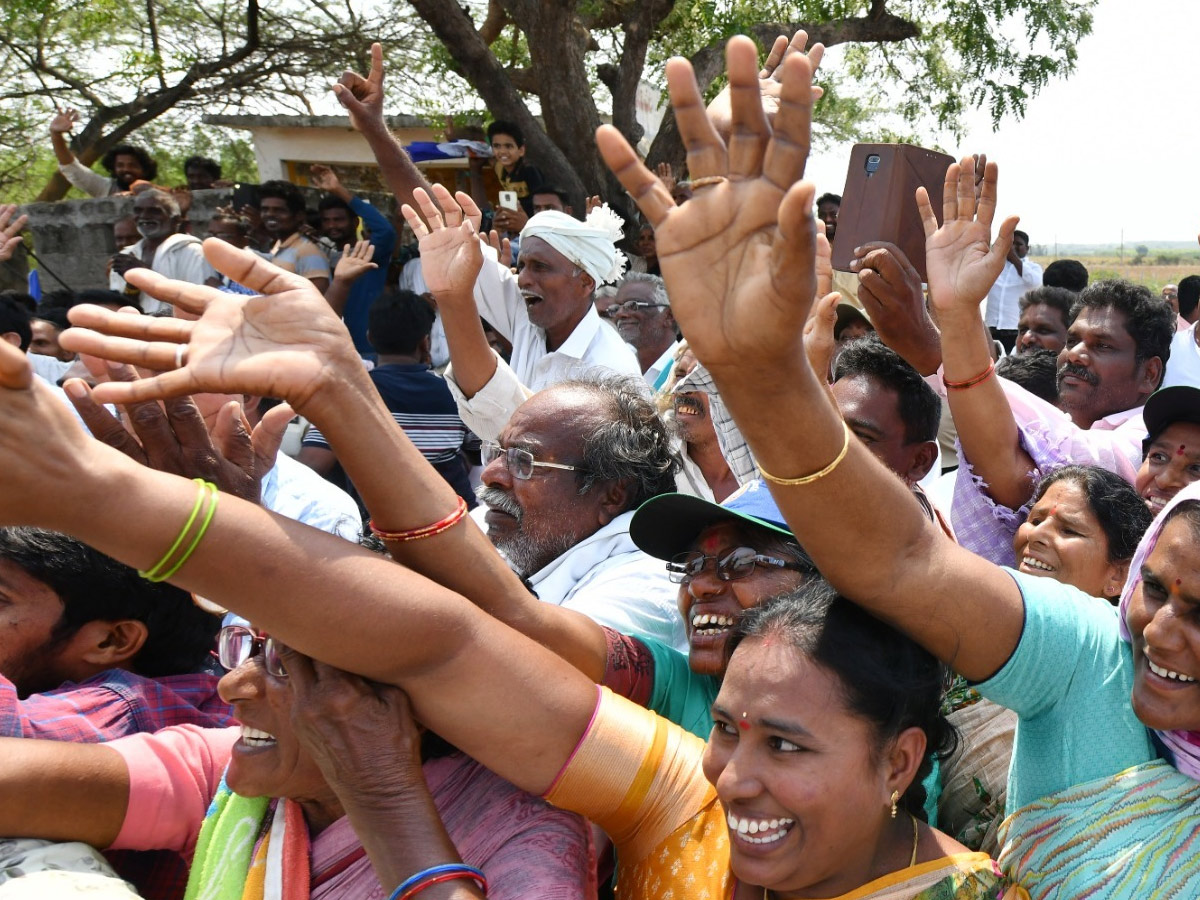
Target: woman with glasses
324, 788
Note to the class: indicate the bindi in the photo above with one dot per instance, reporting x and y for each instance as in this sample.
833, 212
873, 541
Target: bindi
1179, 452
744, 725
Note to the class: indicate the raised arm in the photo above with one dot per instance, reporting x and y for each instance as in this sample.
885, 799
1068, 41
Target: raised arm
240, 345
963, 264
738, 259
513, 705
362, 99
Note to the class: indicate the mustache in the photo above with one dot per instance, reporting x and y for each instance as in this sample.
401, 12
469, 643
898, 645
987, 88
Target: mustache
499, 500
1078, 371
688, 403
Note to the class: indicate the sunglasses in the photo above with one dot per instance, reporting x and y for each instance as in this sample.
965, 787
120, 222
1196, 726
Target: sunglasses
737, 563
237, 643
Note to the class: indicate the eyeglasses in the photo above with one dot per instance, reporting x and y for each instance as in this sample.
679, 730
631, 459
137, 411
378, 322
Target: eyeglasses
737, 563
237, 643
632, 306
520, 463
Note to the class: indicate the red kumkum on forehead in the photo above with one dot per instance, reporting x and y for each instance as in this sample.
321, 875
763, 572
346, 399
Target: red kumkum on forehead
1179, 452
744, 725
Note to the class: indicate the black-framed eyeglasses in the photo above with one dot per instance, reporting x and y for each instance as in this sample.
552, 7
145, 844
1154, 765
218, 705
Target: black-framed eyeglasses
632, 306
520, 462
237, 643
737, 563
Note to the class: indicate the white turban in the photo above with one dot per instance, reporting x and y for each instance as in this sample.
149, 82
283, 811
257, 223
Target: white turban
589, 245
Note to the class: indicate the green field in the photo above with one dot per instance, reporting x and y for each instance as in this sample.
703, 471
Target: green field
1153, 277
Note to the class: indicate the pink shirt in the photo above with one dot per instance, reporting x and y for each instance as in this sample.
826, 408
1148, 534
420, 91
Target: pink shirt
525, 847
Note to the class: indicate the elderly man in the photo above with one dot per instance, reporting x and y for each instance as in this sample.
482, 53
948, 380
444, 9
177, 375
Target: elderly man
561, 485
642, 314
179, 256
546, 312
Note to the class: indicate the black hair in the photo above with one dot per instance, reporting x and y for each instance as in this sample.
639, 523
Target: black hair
558, 192
1055, 297
55, 315
1149, 320
226, 214
886, 677
920, 407
1021, 234
512, 129
1189, 295
1187, 509
1070, 274
94, 587
211, 166
1122, 514
631, 443
398, 321
829, 198
1035, 370
26, 301
285, 191
102, 297
329, 201
14, 317
149, 166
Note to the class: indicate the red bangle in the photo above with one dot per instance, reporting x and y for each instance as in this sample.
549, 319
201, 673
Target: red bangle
438, 879
415, 534
971, 382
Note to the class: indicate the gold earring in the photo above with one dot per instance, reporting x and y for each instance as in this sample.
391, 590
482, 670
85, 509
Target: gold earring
895, 800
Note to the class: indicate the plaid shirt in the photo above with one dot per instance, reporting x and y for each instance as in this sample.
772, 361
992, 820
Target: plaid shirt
111, 705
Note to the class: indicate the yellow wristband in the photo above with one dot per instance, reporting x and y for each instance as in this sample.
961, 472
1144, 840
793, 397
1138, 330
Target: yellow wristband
816, 476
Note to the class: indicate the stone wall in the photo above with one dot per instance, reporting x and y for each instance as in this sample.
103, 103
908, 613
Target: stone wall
74, 238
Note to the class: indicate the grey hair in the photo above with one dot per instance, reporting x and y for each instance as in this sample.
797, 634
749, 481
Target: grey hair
166, 199
632, 443
660, 286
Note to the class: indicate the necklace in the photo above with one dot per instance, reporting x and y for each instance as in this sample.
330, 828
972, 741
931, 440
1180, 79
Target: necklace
911, 862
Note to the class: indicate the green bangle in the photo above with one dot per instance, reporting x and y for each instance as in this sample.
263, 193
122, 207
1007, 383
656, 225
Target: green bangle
208, 517
155, 573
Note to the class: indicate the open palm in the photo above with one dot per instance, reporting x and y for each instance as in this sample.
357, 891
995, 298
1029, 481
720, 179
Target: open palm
960, 258
739, 257
451, 254
285, 342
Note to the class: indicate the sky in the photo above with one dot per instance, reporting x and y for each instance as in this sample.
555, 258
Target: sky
1111, 147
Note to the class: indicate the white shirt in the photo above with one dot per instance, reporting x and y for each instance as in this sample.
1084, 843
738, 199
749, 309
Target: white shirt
590, 345
1184, 365
180, 257
294, 490
1003, 310
607, 578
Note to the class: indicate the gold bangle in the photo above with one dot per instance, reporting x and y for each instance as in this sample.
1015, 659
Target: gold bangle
816, 476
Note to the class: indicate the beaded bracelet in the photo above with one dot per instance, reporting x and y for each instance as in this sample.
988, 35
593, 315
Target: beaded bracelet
412, 886
415, 534
815, 476
163, 569
971, 382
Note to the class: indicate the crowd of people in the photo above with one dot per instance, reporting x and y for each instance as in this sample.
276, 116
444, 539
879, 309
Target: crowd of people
723, 575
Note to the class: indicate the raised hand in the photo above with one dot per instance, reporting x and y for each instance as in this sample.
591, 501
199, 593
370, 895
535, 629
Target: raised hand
819, 343
666, 175
502, 246
355, 261
285, 343
10, 230
769, 82
961, 261
451, 255
739, 257
889, 289
64, 120
174, 437
325, 179
824, 262
362, 97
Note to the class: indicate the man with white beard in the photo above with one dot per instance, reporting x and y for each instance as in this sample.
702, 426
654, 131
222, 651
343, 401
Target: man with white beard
162, 249
560, 485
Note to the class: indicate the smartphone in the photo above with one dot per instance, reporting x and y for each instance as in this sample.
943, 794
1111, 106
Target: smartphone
244, 195
508, 200
878, 201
